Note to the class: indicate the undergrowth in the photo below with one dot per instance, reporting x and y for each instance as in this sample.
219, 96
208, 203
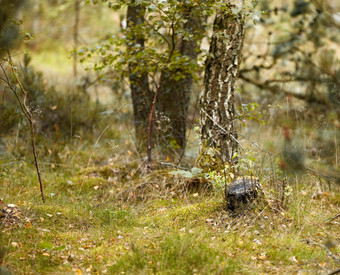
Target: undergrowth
108, 220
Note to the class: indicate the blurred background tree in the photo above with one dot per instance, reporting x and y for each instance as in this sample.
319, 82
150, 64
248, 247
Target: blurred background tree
292, 58
9, 25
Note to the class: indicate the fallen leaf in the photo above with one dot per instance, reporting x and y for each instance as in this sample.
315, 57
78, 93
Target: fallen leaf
89, 269
293, 259
99, 258
323, 264
263, 256
257, 241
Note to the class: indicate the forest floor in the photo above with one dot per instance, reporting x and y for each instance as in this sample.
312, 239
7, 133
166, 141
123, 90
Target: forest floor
106, 214
118, 219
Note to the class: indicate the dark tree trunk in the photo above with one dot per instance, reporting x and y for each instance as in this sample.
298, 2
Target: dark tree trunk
173, 103
217, 102
139, 84
174, 95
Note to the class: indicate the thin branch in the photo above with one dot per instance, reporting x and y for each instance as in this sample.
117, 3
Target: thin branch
224, 130
330, 253
150, 118
158, 32
257, 146
276, 89
334, 218
155, 98
270, 66
336, 271
95, 144
25, 109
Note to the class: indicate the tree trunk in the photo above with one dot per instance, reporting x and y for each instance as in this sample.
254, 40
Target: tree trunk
174, 96
139, 83
217, 102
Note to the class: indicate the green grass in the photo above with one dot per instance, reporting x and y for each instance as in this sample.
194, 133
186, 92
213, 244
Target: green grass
85, 226
96, 220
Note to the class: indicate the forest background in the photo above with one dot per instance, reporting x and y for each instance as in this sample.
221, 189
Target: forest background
113, 208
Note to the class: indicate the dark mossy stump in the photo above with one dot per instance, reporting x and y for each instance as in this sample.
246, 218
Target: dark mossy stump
242, 192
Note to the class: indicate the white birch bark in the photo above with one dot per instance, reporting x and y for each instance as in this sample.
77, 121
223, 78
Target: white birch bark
222, 67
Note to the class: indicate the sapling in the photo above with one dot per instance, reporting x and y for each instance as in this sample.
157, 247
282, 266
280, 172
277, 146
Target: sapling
25, 110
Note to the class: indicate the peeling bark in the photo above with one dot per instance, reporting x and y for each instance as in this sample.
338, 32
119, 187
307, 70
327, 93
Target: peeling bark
222, 68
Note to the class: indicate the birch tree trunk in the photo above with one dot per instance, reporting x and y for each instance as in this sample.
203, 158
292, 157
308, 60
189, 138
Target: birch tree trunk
217, 102
139, 83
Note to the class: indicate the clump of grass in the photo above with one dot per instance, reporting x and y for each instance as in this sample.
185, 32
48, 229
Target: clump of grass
115, 218
175, 254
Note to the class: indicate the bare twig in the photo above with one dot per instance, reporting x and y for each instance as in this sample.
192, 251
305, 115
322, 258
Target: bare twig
151, 117
224, 130
334, 218
276, 89
156, 95
174, 165
26, 111
330, 253
95, 144
336, 271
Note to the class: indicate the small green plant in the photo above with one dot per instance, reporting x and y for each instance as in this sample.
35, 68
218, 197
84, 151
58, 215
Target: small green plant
249, 112
219, 178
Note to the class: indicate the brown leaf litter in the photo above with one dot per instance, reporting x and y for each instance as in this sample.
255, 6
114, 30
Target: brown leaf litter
10, 215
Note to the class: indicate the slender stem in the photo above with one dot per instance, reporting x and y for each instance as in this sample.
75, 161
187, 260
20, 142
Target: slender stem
36, 160
336, 148
156, 95
28, 114
151, 117
95, 144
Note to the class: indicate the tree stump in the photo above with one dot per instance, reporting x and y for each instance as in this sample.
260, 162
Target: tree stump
242, 192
